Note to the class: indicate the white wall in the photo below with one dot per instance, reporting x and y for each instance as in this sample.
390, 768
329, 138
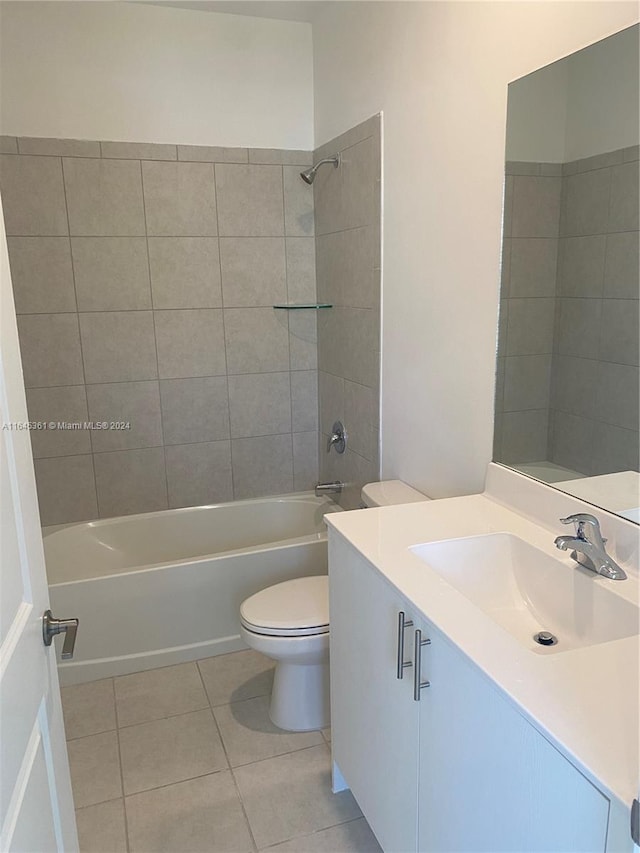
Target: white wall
440, 73
118, 71
583, 105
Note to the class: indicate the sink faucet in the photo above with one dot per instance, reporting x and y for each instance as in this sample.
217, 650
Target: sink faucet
588, 547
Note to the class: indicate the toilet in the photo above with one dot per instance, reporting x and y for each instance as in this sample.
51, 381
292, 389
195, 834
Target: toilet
289, 622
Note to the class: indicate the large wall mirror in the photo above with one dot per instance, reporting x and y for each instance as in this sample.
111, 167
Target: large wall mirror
567, 385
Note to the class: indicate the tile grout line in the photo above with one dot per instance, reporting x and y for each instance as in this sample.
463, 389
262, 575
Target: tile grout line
226, 755
124, 802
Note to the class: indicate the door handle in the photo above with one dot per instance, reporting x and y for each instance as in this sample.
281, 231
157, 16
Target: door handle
402, 664
417, 673
68, 627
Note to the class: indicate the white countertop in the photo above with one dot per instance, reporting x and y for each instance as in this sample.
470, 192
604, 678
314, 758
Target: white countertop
585, 701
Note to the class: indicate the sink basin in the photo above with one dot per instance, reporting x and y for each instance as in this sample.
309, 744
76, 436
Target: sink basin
526, 591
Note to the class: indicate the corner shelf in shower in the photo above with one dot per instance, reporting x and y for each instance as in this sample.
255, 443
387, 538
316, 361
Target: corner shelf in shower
313, 306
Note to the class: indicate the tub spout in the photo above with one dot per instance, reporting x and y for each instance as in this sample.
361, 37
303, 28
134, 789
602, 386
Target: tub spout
334, 488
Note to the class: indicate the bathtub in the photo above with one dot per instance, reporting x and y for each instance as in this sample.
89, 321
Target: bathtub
166, 587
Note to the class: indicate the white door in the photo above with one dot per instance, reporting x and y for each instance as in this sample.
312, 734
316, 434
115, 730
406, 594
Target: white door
35, 788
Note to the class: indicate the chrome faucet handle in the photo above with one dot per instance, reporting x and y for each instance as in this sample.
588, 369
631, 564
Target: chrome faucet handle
585, 522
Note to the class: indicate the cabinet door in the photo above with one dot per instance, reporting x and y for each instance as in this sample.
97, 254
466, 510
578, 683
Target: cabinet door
374, 720
488, 780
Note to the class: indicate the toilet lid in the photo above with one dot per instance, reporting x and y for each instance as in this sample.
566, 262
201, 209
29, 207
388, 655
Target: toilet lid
295, 607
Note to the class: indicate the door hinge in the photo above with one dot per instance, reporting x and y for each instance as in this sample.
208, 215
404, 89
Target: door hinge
635, 822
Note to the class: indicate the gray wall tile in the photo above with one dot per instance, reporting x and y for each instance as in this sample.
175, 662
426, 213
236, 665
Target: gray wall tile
33, 196
58, 147
620, 335
527, 382
199, 474
304, 400
345, 267
249, 201
630, 154
8, 145
532, 268
138, 151
262, 466
180, 199
536, 207
131, 481
185, 272
111, 273
253, 271
66, 404
573, 385
303, 340
359, 418
585, 203
301, 270
623, 210
573, 439
298, 204
118, 346
50, 349
531, 323
280, 156
136, 403
331, 395
581, 266
190, 343
104, 197
617, 394
194, 409
614, 449
212, 154
579, 327
621, 271
347, 345
66, 489
524, 436
257, 340
305, 460
41, 274
260, 404
359, 132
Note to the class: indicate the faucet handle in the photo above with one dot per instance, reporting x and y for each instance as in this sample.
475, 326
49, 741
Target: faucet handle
584, 520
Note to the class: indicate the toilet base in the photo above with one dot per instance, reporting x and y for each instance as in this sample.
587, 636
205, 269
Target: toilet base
300, 697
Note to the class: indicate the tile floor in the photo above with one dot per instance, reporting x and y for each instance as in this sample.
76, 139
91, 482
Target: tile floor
185, 759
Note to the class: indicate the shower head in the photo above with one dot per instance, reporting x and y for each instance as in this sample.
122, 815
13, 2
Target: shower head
308, 176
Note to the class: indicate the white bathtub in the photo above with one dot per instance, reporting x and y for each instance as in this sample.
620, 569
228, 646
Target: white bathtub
165, 587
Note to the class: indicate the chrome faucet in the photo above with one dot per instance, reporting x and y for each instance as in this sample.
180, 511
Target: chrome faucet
334, 488
588, 547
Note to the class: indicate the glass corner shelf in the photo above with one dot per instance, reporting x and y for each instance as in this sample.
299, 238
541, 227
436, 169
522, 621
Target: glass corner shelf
314, 306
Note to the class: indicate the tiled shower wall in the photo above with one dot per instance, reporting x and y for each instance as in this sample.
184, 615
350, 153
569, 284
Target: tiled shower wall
144, 280
569, 346
347, 214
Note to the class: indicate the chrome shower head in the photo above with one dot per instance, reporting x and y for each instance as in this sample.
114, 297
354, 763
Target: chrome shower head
308, 176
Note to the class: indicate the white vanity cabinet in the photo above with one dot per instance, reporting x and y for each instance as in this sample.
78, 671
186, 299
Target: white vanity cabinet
460, 768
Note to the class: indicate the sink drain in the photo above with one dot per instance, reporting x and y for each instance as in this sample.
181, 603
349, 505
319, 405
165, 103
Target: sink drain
544, 638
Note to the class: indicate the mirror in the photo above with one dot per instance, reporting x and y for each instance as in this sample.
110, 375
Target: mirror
566, 408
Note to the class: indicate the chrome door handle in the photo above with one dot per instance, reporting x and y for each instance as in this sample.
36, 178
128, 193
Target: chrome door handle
402, 664
417, 673
68, 627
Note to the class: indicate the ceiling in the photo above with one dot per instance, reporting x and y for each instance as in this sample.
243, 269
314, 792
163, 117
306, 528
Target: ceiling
283, 10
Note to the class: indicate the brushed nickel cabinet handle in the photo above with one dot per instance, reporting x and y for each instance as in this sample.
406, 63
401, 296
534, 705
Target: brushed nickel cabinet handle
402, 664
417, 673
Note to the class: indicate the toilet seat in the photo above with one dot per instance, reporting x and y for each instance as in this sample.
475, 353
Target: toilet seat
295, 608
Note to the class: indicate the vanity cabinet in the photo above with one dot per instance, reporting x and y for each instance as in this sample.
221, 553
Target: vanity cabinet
460, 768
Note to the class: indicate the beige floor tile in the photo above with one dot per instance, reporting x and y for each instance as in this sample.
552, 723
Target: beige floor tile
171, 750
352, 837
101, 828
236, 676
291, 795
89, 708
199, 815
95, 769
249, 735
159, 693
326, 734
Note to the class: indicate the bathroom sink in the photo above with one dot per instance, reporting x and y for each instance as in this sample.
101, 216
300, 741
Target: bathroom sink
526, 591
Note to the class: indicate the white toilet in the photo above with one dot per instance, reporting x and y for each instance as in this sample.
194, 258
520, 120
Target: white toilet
289, 622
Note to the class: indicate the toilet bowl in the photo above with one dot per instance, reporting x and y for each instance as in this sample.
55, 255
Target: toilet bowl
289, 623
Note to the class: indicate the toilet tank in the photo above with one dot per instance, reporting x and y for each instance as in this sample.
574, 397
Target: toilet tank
389, 492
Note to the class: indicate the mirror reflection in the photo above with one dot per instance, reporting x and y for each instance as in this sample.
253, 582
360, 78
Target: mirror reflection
567, 406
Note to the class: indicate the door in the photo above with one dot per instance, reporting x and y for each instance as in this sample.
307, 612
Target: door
374, 720
489, 781
36, 804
